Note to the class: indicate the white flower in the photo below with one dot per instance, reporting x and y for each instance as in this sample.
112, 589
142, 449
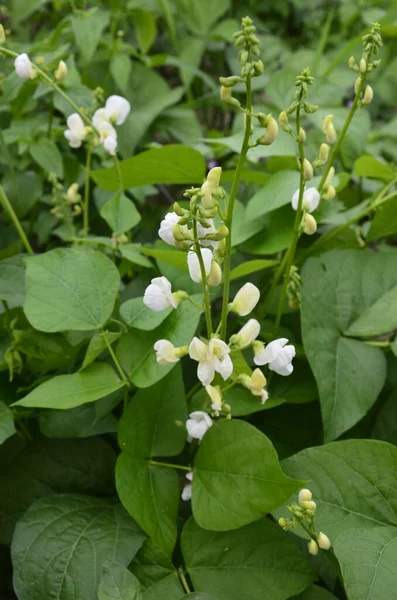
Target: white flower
245, 300
117, 109
23, 67
255, 384
166, 353
187, 488
194, 264
76, 132
108, 137
158, 295
99, 117
212, 357
167, 226
216, 398
215, 276
203, 231
247, 334
110, 145
311, 199
277, 355
198, 424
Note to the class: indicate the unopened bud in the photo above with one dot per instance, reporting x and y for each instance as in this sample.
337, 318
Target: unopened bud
179, 210
72, 194
283, 118
263, 119
214, 177
2, 34
330, 193
313, 547
307, 169
329, 177
308, 505
215, 276
62, 71
271, 133
324, 153
179, 233
219, 235
310, 226
259, 67
227, 98
77, 210
368, 95
352, 62
282, 522
323, 541
305, 495
229, 82
357, 84
302, 135
363, 66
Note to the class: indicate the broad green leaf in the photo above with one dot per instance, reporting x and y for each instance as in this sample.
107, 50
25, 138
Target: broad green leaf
7, 428
46, 154
368, 166
170, 164
156, 573
176, 258
198, 596
349, 373
118, 583
237, 477
315, 592
384, 222
120, 213
12, 280
62, 542
87, 28
45, 351
145, 28
32, 470
133, 255
252, 266
275, 234
68, 391
23, 191
120, 68
277, 192
352, 481
23, 8
137, 315
97, 345
367, 558
135, 350
200, 16
79, 422
245, 563
385, 425
153, 426
70, 289
380, 316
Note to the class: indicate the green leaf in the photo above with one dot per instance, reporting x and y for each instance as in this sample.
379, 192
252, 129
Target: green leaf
139, 316
46, 351
32, 470
275, 234
366, 558
23, 191
384, 222
145, 28
245, 563
353, 483
349, 373
70, 289
62, 542
277, 192
97, 345
200, 16
87, 28
198, 596
170, 164
46, 154
120, 68
68, 391
12, 280
118, 583
252, 266
156, 573
368, 166
314, 592
120, 213
237, 477
133, 255
23, 8
385, 425
380, 316
176, 258
79, 422
7, 428
153, 426
135, 350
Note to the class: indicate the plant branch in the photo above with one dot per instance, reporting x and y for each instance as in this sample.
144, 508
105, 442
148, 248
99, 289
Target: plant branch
9, 209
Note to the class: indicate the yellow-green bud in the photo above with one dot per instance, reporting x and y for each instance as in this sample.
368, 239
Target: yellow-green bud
330, 177
225, 93
357, 84
215, 276
229, 81
313, 547
302, 135
307, 169
330, 193
283, 118
282, 522
310, 226
305, 495
308, 505
263, 119
368, 95
363, 66
324, 153
259, 67
323, 541
352, 62
77, 210
181, 212
2, 34
329, 129
72, 195
62, 71
214, 177
219, 235
271, 133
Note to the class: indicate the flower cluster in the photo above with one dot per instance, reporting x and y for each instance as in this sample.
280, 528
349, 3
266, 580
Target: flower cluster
304, 513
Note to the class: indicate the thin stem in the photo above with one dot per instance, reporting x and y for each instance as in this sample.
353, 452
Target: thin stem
229, 215
114, 358
119, 173
157, 463
50, 115
290, 255
200, 308
86, 226
207, 302
378, 344
184, 580
9, 209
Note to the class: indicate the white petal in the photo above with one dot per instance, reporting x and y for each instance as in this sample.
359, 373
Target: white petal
118, 109
246, 299
194, 264
198, 424
206, 371
203, 231
218, 346
155, 299
100, 116
269, 353
295, 200
198, 349
110, 145
312, 198
76, 125
224, 366
281, 367
165, 352
23, 67
163, 284
166, 226
187, 492
248, 333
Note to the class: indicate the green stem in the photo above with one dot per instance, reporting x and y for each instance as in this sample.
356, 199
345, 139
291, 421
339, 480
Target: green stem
86, 226
119, 173
207, 302
378, 344
114, 358
229, 215
157, 463
50, 115
184, 580
200, 308
9, 209
290, 255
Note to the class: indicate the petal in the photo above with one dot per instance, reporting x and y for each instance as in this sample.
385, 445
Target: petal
246, 299
118, 108
312, 198
187, 492
249, 332
271, 351
218, 345
198, 349
155, 299
206, 253
206, 371
279, 366
110, 145
166, 226
194, 267
99, 117
203, 231
224, 367
163, 284
295, 200
76, 124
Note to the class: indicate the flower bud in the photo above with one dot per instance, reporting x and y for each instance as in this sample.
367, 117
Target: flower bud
368, 95
330, 176
229, 81
225, 93
62, 71
72, 195
263, 119
259, 67
324, 153
308, 505
323, 541
282, 522
305, 495
330, 193
271, 133
301, 135
2, 34
215, 276
214, 177
219, 235
77, 210
310, 226
283, 118
357, 84
181, 212
352, 62
245, 300
313, 547
307, 169
363, 66
247, 334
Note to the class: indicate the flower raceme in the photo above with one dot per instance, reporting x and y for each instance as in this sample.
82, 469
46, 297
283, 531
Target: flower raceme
276, 354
